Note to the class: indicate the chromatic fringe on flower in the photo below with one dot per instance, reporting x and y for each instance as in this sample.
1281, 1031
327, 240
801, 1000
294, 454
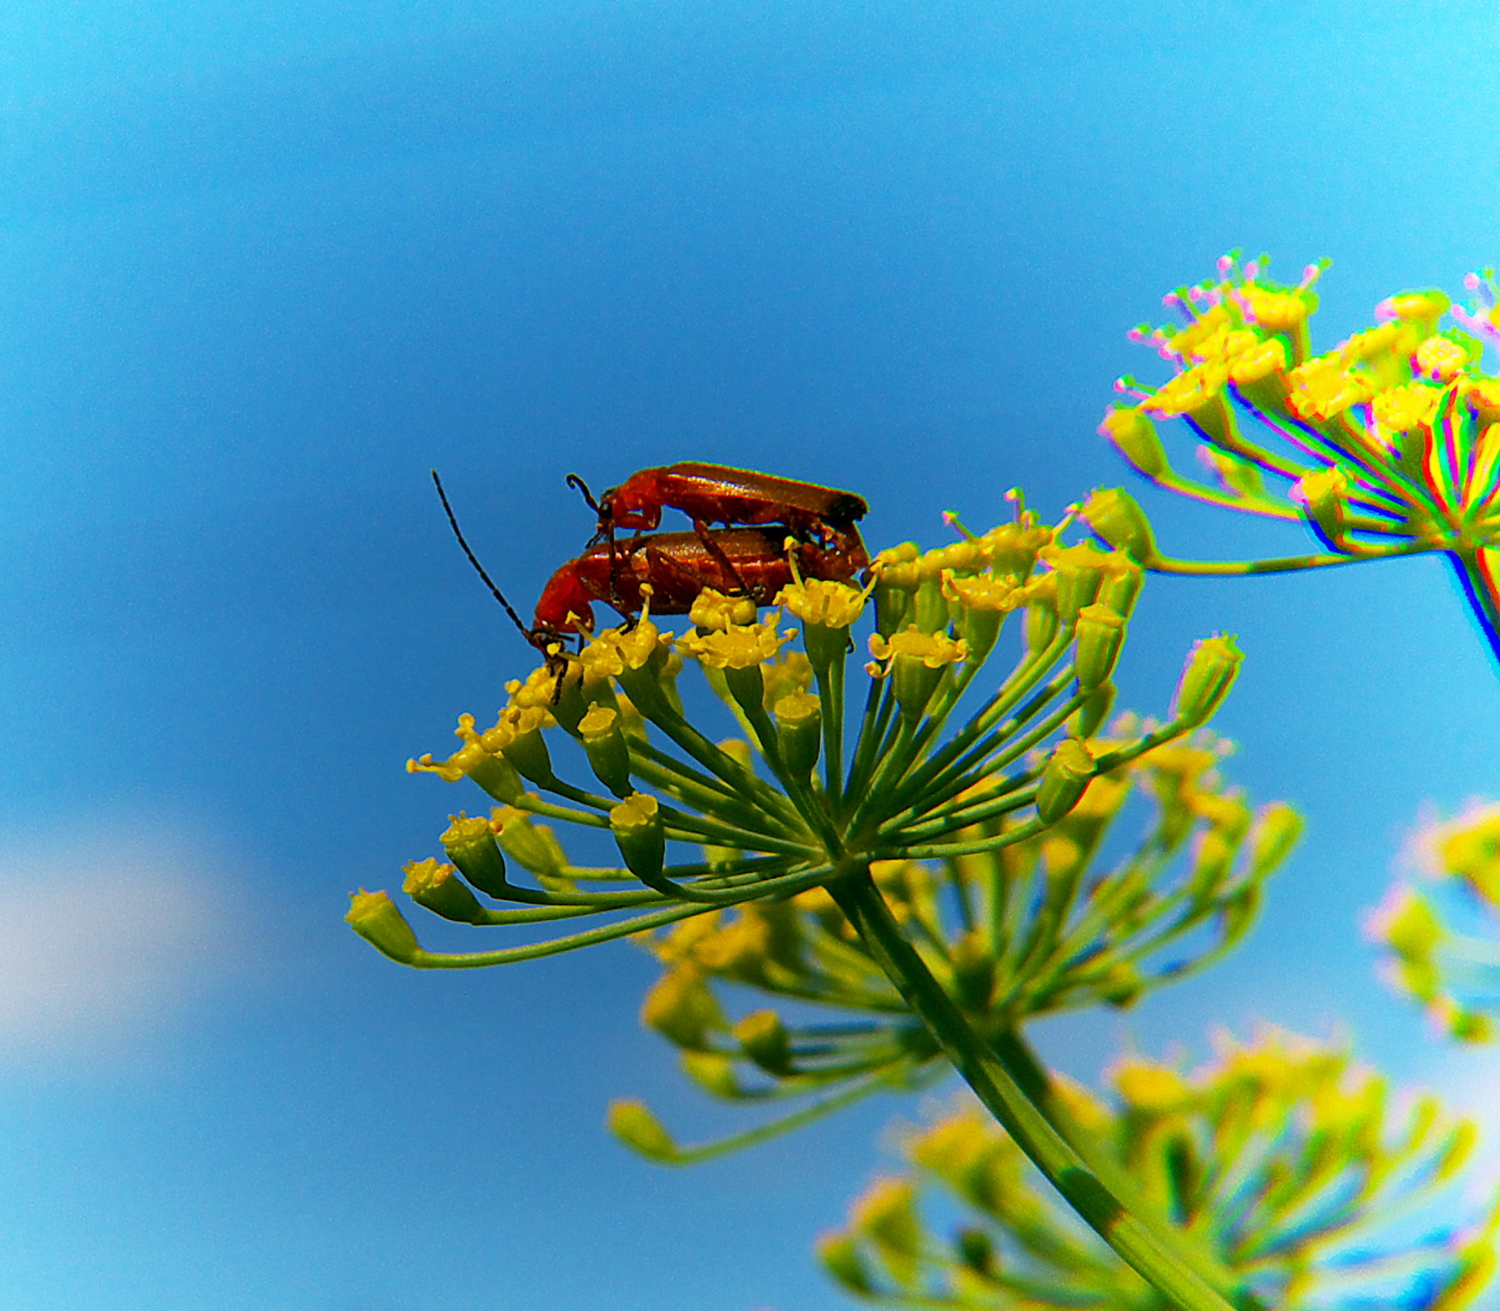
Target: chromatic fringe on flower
1452, 974
1285, 1157
1386, 445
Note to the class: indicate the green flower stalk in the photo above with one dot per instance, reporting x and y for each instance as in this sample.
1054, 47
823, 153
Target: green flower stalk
1282, 1155
1049, 924
829, 801
1452, 974
1387, 445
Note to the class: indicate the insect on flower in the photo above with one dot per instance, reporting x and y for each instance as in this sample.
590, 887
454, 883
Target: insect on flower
715, 494
755, 562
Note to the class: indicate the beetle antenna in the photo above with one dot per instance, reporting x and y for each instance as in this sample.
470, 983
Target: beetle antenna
573, 480
474, 560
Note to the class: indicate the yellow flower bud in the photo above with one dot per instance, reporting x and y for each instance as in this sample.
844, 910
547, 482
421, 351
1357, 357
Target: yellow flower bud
764, 1039
634, 1125
433, 885
604, 744
681, 1008
1066, 775
1116, 516
799, 719
639, 833
530, 845
470, 844
1209, 673
374, 916
1131, 432
1100, 634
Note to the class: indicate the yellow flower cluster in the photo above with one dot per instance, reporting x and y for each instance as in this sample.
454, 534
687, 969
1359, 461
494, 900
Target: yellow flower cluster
1281, 1153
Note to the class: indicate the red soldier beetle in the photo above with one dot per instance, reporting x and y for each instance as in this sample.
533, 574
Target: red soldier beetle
715, 494
755, 562
750, 562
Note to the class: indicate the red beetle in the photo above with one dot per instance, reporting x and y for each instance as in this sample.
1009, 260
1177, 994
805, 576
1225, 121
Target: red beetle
714, 494
750, 562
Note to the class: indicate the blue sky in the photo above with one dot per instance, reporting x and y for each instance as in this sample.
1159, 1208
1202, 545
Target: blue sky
262, 266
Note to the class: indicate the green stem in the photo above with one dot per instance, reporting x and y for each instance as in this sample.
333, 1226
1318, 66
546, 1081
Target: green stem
1011, 1048
1476, 575
1278, 564
1154, 1251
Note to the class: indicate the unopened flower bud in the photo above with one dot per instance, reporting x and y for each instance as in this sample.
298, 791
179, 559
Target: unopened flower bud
713, 1072
1206, 679
1066, 775
604, 744
639, 833
976, 1249
531, 845
497, 776
1134, 435
973, 964
763, 1037
470, 844
1323, 495
1121, 586
1100, 633
433, 885
681, 1008
1092, 713
1041, 613
375, 917
839, 1253
1276, 832
896, 581
887, 1216
1116, 516
527, 751
799, 719
634, 1125
1080, 571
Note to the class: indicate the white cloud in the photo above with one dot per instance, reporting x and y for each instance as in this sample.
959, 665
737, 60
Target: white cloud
105, 936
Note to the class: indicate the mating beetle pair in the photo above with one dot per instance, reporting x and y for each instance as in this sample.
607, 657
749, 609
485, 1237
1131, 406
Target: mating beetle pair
769, 522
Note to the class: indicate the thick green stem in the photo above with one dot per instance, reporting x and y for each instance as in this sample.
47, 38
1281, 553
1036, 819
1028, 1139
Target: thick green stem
1150, 1247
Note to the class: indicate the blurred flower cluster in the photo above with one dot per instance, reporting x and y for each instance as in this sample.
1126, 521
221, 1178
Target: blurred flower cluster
1082, 914
1452, 973
1386, 445
1282, 1156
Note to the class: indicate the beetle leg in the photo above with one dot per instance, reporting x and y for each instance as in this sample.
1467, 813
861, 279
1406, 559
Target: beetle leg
717, 551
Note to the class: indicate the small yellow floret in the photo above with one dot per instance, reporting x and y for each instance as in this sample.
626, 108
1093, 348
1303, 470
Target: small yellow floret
1002, 593
1440, 358
1146, 1086
1261, 362
638, 810
716, 612
824, 602
1276, 311
1324, 387
740, 647
1188, 392
598, 721
1404, 407
458, 765
932, 649
613, 651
